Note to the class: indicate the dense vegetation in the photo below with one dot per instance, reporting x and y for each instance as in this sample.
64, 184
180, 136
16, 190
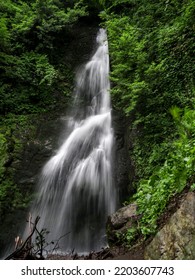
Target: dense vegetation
151, 47
35, 78
30, 69
152, 71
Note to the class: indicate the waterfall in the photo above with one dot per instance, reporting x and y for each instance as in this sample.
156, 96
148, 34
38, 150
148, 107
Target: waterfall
76, 189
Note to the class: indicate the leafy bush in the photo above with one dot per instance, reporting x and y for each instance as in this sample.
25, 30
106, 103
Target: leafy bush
152, 69
30, 64
13, 131
154, 193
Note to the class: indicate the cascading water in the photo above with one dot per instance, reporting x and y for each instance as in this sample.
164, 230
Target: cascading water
76, 191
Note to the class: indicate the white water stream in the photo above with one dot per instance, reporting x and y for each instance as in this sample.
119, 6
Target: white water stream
76, 190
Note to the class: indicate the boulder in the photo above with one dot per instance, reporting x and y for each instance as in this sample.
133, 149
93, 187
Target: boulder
119, 222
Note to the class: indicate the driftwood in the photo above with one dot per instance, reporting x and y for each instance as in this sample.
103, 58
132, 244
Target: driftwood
24, 250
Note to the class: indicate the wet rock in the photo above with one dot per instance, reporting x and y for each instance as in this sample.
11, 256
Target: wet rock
176, 240
119, 222
123, 169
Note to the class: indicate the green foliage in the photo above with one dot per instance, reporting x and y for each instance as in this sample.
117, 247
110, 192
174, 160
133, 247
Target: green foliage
13, 131
127, 237
28, 34
127, 52
157, 58
192, 187
3, 154
4, 34
30, 78
52, 16
151, 46
34, 78
152, 69
11, 198
154, 193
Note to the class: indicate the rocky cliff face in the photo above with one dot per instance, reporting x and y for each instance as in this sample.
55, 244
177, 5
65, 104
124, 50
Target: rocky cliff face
176, 240
123, 169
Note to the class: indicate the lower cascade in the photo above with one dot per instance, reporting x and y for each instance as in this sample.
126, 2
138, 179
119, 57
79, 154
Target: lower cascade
76, 189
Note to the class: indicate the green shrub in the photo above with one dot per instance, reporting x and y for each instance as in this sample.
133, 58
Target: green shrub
154, 193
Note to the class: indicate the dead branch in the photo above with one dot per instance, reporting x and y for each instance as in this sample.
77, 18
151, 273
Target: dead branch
26, 246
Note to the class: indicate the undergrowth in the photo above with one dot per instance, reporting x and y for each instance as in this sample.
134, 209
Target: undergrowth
170, 178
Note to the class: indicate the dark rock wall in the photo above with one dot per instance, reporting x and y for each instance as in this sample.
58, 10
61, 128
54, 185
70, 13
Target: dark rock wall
121, 156
123, 167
